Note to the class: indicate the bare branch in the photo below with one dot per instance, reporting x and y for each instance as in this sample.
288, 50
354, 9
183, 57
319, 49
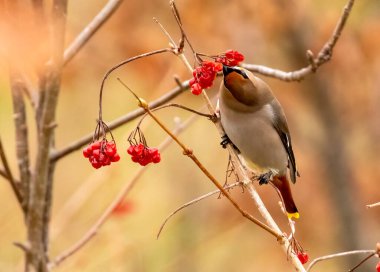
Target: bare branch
196, 200
373, 205
21, 134
323, 56
91, 29
123, 193
8, 175
342, 254
120, 121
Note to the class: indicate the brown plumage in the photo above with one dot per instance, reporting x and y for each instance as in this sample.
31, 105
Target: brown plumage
255, 123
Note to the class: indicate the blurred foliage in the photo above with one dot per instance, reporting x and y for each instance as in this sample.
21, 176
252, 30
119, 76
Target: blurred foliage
211, 235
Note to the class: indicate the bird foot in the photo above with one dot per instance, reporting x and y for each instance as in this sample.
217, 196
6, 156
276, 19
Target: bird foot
225, 141
265, 178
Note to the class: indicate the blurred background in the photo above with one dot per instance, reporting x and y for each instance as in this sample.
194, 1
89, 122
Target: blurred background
333, 117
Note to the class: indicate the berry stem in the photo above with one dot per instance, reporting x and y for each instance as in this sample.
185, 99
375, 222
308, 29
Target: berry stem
159, 51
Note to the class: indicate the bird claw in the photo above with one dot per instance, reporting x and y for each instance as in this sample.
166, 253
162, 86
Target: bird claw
225, 141
265, 178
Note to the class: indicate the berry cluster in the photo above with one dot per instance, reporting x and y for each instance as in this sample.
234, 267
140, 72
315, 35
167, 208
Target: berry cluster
101, 153
303, 257
203, 76
230, 58
143, 154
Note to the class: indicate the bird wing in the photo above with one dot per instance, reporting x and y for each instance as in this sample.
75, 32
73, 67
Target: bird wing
281, 126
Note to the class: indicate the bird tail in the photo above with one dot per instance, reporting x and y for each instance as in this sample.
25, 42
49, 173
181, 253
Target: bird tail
283, 186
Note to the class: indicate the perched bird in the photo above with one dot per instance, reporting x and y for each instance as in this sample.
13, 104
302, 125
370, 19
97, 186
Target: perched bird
255, 123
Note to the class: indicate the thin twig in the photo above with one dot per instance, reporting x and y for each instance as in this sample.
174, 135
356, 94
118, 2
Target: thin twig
373, 205
209, 116
361, 262
9, 176
119, 122
183, 33
342, 254
124, 191
184, 108
323, 56
22, 246
4, 174
196, 200
166, 33
21, 134
91, 29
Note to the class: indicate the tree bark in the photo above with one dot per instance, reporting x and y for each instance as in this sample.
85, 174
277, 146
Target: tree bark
41, 182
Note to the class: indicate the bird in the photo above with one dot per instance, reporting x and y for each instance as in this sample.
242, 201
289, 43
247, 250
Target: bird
255, 123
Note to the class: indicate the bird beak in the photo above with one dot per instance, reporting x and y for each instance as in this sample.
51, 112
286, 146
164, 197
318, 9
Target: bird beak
227, 70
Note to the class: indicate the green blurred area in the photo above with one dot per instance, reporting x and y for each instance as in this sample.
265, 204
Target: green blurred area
210, 235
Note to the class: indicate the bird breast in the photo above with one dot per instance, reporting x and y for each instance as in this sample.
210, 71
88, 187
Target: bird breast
254, 135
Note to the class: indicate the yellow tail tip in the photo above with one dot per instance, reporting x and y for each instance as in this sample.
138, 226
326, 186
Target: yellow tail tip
296, 215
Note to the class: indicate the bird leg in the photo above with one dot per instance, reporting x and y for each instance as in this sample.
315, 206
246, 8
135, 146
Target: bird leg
265, 178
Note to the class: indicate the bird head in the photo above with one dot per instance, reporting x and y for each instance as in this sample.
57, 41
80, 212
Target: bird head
238, 82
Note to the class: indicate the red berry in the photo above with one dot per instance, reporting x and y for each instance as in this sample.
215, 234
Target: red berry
111, 145
96, 164
192, 81
378, 267
144, 161
196, 89
87, 152
303, 257
102, 157
156, 158
115, 158
130, 150
96, 153
95, 145
110, 151
138, 149
152, 151
218, 67
107, 161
